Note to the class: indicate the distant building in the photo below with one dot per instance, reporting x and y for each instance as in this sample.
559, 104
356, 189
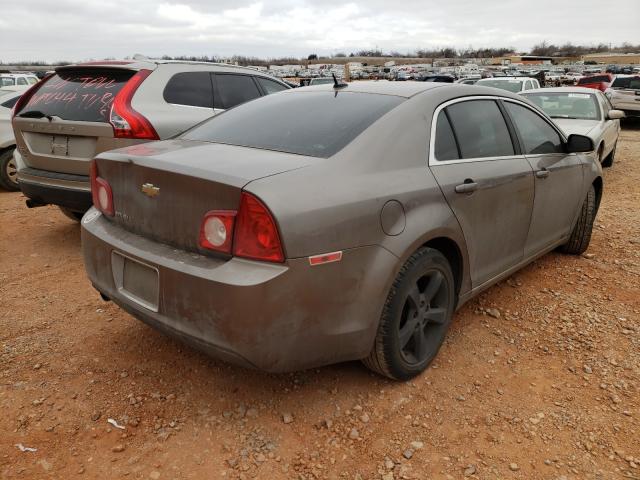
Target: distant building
522, 60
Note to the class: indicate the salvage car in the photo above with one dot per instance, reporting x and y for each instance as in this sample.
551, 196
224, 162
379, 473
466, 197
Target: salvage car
624, 94
599, 82
8, 166
510, 84
66, 119
352, 235
585, 111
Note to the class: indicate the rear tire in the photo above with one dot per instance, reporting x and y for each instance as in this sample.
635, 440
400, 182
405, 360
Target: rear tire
608, 161
8, 171
75, 216
581, 234
415, 318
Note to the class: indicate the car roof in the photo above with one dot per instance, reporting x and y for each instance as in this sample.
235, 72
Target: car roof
138, 64
380, 87
408, 89
542, 91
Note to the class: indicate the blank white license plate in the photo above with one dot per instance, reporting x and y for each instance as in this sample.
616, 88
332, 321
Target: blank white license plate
136, 280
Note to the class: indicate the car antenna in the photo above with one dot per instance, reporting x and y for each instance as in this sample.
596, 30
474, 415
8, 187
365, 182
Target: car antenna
336, 83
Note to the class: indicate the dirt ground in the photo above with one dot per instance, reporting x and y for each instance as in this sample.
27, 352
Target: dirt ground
539, 377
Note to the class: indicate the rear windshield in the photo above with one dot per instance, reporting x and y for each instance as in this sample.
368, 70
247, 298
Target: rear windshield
318, 124
580, 106
627, 82
509, 85
594, 79
78, 95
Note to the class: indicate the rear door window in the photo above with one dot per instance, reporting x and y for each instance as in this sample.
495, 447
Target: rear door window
536, 134
270, 86
480, 129
83, 94
445, 147
190, 88
234, 89
22, 81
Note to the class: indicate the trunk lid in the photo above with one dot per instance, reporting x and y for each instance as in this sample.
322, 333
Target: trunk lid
66, 122
161, 190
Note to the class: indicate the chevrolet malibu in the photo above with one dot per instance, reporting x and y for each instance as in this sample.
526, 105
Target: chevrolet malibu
336, 222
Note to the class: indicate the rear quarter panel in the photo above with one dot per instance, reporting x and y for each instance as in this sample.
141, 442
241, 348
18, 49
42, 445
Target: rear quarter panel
336, 203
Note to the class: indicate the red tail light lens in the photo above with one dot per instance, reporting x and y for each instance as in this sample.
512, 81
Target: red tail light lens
101, 192
26, 96
256, 235
216, 231
127, 122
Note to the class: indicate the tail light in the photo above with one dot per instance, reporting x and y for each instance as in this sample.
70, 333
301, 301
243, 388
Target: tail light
127, 122
101, 192
26, 96
216, 232
251, 232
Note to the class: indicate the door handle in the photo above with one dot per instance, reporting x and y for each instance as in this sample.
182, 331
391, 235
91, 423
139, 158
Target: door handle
469, 186
544, 173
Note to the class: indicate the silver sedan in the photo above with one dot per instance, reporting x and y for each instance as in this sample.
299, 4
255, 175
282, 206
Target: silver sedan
584, 111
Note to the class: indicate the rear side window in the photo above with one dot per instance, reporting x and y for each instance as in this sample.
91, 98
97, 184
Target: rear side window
83, 95
234, 90
32, 81
445, 148
284, 123
190, 88
480, 129
10, 103
269, 86
536, 134
7, 81
627, 82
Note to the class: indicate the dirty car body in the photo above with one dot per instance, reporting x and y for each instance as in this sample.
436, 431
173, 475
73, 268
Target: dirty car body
350, 199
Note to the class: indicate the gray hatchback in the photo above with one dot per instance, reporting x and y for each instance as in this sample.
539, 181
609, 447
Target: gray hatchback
354, 234
82, 110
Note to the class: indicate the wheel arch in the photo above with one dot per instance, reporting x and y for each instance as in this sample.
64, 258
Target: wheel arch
451, 250
598, 185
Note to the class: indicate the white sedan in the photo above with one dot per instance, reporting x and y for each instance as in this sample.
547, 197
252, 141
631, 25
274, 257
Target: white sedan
8, 166
584, 111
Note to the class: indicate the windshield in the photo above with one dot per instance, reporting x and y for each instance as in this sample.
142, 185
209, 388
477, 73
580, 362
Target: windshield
626, 82
594, 79
314, 123
579, 106
509, 85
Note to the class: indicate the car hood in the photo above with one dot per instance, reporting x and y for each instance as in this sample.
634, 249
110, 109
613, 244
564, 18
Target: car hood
579, 127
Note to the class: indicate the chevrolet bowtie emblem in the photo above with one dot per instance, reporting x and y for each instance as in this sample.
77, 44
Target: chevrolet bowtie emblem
150, 190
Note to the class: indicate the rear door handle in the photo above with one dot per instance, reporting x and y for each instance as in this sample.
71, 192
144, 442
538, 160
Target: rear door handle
469, 186
544, 173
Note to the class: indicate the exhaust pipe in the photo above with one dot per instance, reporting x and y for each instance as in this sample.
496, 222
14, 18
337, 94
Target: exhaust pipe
31, 203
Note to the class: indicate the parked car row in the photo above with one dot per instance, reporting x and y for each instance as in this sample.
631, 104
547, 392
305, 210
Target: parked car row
283, 244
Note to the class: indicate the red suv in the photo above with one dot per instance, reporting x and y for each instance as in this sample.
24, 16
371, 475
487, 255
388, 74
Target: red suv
600, 81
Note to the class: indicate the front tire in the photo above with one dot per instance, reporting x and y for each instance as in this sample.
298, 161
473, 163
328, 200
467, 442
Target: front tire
608, 161
581, 234
8, 171
415, 318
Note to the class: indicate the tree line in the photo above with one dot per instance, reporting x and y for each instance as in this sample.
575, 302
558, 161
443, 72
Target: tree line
543, 48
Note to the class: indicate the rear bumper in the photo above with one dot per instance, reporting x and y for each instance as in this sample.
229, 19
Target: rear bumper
69, 191
275, 317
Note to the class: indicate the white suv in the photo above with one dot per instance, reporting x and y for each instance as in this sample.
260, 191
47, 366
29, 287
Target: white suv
624, 94
17, 80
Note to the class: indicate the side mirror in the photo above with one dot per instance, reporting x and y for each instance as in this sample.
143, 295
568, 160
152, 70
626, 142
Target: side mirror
579, 144
616, 114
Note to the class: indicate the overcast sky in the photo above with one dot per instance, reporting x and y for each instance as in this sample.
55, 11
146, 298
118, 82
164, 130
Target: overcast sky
84, 29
